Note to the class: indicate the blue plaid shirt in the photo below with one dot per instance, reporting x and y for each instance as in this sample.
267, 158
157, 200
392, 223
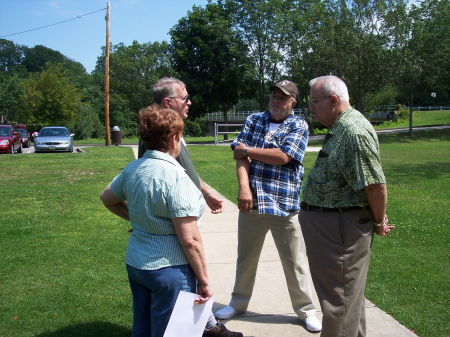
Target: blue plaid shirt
276, 188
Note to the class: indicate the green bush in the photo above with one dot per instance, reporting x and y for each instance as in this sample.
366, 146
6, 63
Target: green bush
318, 128
402, 113
196, 128
319, 131
386, 125
88, 125
192, 129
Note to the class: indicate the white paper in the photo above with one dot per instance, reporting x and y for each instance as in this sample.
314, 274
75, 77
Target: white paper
188, 319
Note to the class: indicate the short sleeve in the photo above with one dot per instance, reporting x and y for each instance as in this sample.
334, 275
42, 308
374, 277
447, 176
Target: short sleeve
184, 199
294, 142
362, 166
117, 186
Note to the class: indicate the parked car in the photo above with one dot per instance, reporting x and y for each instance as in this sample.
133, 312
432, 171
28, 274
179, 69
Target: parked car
54, 139
10, 139
24, 133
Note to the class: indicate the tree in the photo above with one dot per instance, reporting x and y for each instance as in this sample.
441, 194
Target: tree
304, 60
88, 124
133, 71
429, 46
423, 61
361, 41
265, 28
16, 62
211, 59
37, 57
11, 57
49, 98
11, 85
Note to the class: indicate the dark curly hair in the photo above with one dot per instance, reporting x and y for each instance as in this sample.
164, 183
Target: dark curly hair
158, 125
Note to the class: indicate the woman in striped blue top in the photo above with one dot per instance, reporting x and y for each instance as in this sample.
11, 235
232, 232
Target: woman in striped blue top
165, 250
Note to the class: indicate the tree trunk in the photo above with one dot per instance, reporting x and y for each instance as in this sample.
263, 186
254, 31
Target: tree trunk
225, 121
411, 114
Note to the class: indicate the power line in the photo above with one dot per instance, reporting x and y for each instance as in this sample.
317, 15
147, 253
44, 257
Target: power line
54, 24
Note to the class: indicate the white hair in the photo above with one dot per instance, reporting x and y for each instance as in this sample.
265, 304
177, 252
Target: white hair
332, 85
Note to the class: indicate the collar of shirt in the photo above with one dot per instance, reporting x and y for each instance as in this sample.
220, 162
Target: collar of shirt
155, 154
337, 121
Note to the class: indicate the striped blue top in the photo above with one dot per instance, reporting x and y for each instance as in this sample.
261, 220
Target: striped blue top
276, 188
157, 189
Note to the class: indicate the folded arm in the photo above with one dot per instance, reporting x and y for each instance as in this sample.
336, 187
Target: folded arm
273, 156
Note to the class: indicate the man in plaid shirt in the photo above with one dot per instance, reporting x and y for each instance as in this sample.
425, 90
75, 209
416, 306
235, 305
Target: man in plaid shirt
269, 153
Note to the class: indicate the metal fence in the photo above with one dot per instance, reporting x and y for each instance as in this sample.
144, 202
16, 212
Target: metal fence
233, 116
217, 132
430, 108
238, 115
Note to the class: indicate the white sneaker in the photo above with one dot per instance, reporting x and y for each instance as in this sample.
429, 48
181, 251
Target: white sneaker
312, 324
227, 312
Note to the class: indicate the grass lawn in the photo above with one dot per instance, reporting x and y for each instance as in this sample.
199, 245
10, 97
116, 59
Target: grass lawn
62, 268
63, 274
421, 118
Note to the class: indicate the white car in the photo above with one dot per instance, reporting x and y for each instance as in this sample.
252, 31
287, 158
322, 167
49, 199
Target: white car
54, 139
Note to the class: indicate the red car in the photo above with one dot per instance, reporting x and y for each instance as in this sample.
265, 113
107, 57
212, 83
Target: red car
10, 139
24, 133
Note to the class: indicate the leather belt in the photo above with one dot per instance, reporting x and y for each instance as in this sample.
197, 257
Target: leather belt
305, 207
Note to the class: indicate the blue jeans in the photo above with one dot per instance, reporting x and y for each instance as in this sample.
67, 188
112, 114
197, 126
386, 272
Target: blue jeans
154, 295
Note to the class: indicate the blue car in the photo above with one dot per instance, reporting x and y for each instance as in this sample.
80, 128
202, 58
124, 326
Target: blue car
54, 139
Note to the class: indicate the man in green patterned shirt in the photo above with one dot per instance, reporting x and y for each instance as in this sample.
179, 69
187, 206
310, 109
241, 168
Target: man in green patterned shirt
343, 204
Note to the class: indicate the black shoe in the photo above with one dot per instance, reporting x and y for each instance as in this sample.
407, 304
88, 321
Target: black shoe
221, 331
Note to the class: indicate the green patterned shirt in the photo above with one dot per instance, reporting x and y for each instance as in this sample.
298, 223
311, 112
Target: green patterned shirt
348, 162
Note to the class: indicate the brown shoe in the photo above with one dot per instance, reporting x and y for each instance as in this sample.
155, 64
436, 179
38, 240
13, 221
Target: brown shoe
221, 331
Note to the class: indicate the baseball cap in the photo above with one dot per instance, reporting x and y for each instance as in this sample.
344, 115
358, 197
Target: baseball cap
287, 87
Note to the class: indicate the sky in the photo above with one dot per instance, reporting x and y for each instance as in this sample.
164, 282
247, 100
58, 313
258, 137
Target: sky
83, 33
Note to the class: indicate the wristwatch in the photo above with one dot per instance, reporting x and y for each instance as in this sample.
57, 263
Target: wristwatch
245, 151
379, 224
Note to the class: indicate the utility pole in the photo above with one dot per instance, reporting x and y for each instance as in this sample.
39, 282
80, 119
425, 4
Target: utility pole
107, 133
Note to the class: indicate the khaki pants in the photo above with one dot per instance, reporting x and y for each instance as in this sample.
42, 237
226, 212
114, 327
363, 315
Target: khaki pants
339, 246
286, 232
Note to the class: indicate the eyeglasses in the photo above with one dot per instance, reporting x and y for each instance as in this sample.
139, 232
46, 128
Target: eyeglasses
314, 101
280, 98
185, 98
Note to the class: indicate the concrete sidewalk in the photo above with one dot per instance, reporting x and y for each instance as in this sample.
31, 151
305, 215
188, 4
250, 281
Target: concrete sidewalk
270, 312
